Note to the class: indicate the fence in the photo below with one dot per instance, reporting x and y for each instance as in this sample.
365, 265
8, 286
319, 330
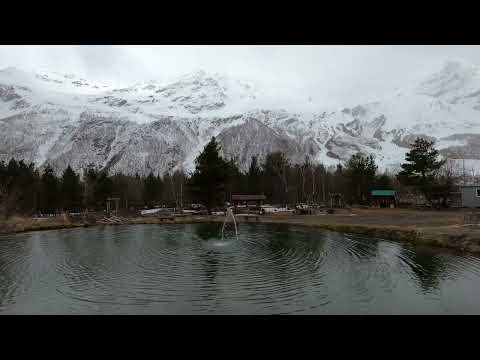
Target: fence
472, 218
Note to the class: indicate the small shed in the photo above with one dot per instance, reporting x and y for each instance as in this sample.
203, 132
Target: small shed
383, 198
470, 196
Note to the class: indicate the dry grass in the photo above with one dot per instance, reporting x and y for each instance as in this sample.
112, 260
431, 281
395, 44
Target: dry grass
16, 224
429, 227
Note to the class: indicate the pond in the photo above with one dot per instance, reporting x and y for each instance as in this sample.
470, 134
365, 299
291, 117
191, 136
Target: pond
268, 269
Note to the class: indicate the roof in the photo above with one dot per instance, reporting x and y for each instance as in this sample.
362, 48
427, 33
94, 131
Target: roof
248, 197
383, 192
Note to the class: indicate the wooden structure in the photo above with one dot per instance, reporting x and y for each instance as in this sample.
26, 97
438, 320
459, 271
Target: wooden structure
455, 199
109, 201
113, 220
472, 218
336, 200
470, 196
383, 198
247, 200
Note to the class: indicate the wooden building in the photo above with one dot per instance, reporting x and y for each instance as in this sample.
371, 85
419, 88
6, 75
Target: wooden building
470, 196
383, 198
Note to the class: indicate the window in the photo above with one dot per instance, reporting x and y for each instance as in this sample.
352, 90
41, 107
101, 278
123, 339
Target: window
478, 192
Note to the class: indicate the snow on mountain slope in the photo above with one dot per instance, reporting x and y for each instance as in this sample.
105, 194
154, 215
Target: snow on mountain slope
52, 82
159, 126
191, 95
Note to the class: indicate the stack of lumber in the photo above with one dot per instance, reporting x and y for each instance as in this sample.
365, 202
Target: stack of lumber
113, 220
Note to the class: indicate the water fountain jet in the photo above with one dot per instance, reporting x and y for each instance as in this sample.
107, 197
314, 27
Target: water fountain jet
229, 218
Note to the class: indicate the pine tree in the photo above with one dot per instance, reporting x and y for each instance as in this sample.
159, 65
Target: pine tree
49, 186
421, 167
210, 176
383, 182
103, 189
276, 168
360, 171
89, 182
26, 183
254, 177
3, 176
151, 189
236, 182
121, 189
18, 187
3, 190
71, 190
3, 171
135, 191
12, 173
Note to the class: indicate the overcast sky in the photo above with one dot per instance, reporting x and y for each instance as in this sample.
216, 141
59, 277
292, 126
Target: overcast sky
335, 74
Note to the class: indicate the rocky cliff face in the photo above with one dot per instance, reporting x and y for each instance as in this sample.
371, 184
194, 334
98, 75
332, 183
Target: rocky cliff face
62, 120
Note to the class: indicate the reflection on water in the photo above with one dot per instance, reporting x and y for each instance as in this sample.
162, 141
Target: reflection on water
207, 231
428, 269
269, 269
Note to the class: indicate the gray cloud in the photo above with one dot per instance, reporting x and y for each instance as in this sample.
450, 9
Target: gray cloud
329, 74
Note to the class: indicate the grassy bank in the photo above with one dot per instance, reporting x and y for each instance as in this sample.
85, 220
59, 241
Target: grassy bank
440, 229
433, 228
17, 224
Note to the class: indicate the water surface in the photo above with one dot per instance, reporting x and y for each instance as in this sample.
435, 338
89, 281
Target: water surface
269, 269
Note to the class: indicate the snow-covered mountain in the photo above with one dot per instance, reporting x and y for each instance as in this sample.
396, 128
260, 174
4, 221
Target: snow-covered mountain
159, 126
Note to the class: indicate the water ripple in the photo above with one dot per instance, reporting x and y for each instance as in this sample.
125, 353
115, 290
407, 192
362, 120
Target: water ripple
269, 269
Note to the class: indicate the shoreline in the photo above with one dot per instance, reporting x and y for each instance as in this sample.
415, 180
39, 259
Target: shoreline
453, 241
18, 225
443, 229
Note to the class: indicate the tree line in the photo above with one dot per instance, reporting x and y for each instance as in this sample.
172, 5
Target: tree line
26, 190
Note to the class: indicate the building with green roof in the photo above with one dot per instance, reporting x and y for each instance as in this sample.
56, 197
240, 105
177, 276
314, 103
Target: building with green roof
383, 198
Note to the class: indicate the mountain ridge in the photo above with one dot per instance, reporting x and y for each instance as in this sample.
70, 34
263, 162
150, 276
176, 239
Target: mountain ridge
160, 126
